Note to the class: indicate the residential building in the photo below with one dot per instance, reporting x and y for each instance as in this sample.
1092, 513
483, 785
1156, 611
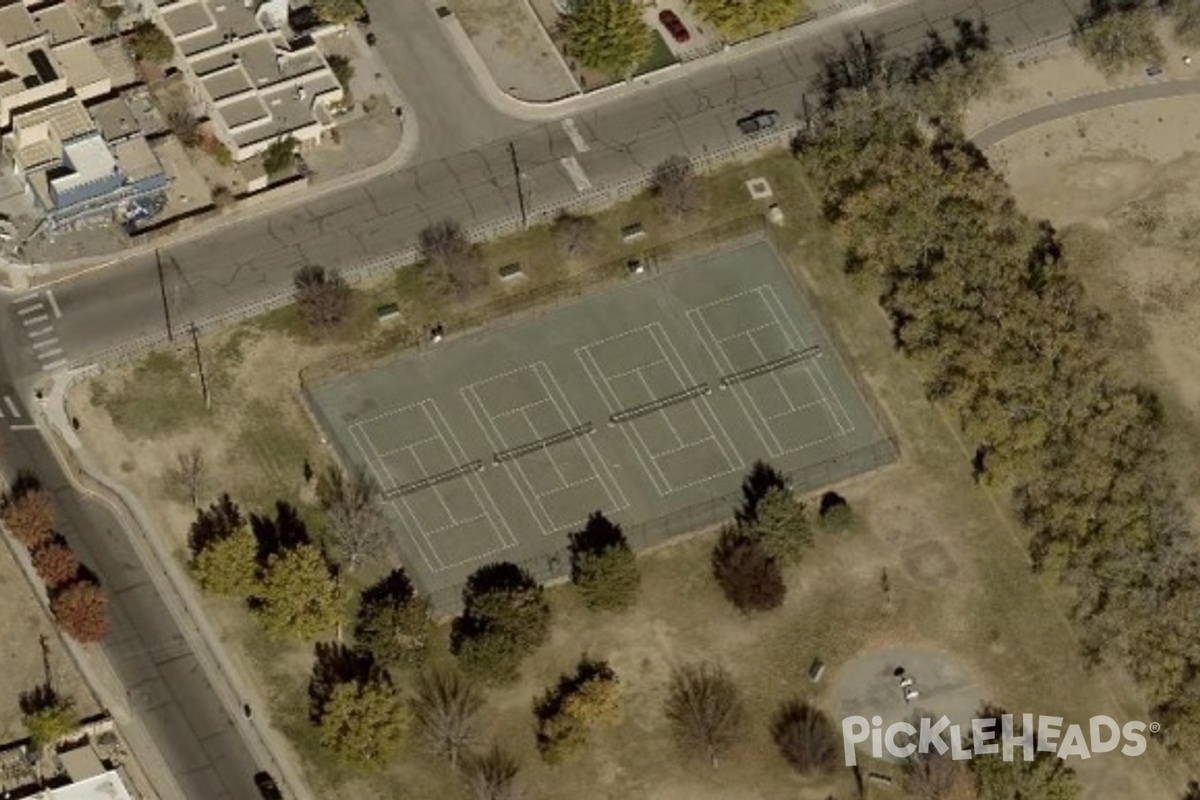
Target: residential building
256, 82
44, 56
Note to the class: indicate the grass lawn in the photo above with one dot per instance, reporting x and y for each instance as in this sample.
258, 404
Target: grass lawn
957, 573
659, 57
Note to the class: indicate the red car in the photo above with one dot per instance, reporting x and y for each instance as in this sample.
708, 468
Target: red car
674, 25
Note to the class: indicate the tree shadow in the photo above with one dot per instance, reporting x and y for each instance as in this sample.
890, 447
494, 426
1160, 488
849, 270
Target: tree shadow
335, 663
394, 589
761, 479
39, 698
214, 523
286, 531
503, 576
598, 535
24, 483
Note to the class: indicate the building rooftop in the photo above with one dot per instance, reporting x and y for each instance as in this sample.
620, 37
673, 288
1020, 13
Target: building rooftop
90, 160
80, 64
108, 786
16, 24
66, 120
58, 22
136, 160
114, 118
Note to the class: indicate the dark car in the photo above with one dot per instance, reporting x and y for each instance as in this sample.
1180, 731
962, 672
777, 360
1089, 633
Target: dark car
674, 25
267, 787
758, 121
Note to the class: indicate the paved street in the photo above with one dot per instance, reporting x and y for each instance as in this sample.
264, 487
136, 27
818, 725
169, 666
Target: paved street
166, 688
694, 115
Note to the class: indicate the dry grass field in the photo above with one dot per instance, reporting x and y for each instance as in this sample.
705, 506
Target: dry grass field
955, 562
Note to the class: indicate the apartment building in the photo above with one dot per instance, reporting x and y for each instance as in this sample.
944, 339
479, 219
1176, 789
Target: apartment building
255, 80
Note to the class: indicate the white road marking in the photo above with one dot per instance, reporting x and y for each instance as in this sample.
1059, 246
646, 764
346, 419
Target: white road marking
50, 354
35, 320
12, 407
53, 304
29, 309
45, 343
62, 362
41, 332
575, 172
574, 135
24, 427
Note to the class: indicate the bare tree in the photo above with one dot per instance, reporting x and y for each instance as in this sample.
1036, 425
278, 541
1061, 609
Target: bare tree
674, 184
492, 775
354, 518
323, 297
705, 710
447, 251
188, 476
805, 738
446, 707
577, 236
932, 776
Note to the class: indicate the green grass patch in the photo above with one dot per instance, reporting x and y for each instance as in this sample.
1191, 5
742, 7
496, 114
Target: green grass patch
159, 398
660, 56
269, 455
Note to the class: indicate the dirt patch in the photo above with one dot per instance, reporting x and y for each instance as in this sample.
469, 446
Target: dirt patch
516, 48
929, 563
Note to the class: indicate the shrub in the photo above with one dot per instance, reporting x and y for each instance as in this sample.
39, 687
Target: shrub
29, 516
748, 575
80, 610
150, 43
806, 738
589, 697
56, 565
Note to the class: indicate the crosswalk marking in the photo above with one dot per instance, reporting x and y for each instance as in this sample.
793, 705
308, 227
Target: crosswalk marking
50, 354
53, 304
575, 172
575, 136
12, 407
41, 332
35, 320
53, 365
29, 309
45, 343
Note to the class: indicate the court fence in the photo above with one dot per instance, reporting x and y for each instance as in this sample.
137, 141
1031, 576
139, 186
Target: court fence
555, 566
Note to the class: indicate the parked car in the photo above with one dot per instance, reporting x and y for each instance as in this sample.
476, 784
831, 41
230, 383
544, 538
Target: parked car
758, 121
267, 787
674, 25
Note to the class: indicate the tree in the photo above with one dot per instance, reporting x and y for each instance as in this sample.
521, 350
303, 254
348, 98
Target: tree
835, 513
740, 20
1047, 777
229, 566
934, 776
577, 236
56, 564
365, 722
704, 709
280, 156
748, 575
492, 775
505, 617
297, 595
780, 525
393, 623
80, 610
566, 713
608, 35
354, 519
220, 520
1193, 791
150, 43
338, 12
1117, 35
446, 708
806, 738
189, 475
323, 297
453, 258
1185, 18
603, 568
29, 516
675, 186
47, 715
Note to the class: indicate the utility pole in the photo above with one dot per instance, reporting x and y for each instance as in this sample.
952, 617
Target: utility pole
512, 151
162, 288
200, 368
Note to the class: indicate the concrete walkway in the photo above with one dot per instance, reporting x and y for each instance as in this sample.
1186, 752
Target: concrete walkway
1081, 104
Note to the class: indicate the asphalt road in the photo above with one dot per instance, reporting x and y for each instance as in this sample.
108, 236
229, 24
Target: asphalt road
166, 688
460, 177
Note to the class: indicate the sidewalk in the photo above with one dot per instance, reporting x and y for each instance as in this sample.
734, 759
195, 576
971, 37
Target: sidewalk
269, 748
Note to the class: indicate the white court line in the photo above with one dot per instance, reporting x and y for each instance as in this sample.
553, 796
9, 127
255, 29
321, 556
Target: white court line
42, 356
721, 361
53, 304
39, 319
512, 540
12, 407
62, 362
40, 332
29, 309
573, 134
53, 340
